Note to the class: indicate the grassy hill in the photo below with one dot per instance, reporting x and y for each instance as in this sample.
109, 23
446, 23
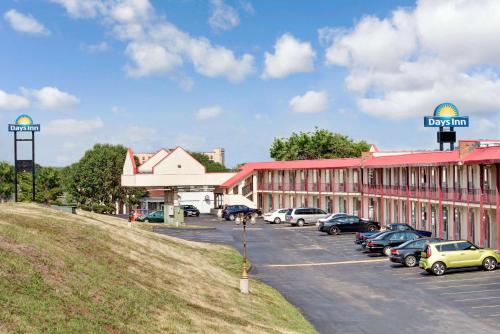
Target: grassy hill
61, 273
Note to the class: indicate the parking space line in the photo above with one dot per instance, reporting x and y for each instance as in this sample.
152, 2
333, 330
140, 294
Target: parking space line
471, 299
321, 263
458, 280
461, 286
464, 292
485, 306
494, 315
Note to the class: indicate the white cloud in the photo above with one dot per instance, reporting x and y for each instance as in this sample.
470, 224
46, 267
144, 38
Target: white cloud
25, 23
81, 8
72, 127
482, 125
406, 64
290, 56
223, 17
327, 35
157, 47
52, 98
247, 7
12, 101
208, 112
310, 102
94, 48
140, 134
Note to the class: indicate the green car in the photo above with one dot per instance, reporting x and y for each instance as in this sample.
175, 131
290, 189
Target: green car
440, 256
154, 217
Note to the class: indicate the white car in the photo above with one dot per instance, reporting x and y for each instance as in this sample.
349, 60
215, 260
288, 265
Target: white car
275, 216
330, 216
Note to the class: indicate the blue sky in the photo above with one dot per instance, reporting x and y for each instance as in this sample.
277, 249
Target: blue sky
236, 74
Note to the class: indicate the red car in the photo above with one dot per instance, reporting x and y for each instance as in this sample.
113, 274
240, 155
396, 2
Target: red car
136, 213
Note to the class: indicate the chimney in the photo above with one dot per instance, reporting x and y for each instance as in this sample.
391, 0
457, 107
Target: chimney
467, 146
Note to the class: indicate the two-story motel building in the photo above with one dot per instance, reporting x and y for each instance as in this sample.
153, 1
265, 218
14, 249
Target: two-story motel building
454, 194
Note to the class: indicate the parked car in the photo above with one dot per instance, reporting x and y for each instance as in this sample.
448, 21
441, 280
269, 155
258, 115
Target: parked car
439, 257
304, 216
190, 210
360, 237
275, 216
340, 224
230, 212
330, 216
373, 236
409, 253
136, 213
384, 242
154, 217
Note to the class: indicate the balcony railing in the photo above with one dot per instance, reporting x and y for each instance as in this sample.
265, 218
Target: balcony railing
421, 191
247, 189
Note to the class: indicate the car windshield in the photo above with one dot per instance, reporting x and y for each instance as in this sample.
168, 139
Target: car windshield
289, 212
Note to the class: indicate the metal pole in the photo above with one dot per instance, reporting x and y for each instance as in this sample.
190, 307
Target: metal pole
33, 191
15, 166
244, 274
452, 145
441, 147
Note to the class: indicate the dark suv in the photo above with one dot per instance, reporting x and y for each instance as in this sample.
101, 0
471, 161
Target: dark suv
230, 212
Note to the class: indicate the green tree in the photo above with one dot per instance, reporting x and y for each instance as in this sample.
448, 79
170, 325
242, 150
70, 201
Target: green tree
48, 185
211, 166
6, 181
94, 182
320, 144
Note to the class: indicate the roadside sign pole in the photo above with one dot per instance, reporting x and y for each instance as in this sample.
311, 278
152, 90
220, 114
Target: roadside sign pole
15, 166
33, 192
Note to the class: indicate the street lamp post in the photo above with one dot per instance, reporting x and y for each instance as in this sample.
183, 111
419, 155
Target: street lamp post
244, 283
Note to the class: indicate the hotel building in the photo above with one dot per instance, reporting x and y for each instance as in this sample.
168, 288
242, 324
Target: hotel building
454, 194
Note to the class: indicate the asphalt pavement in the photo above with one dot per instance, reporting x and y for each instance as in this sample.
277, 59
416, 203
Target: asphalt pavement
340, 289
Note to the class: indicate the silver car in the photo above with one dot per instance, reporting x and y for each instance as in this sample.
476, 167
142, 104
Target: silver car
304, 216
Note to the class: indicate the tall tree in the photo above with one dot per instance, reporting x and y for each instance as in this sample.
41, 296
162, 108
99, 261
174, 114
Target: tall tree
211, 166
320, 144
48, 185
6, 181
96, 178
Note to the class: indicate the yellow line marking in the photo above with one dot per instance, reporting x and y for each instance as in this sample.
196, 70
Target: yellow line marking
321, 263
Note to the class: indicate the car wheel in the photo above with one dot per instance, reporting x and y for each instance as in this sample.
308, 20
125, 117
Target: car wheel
277, 220
410, 261
386, 251
371, 228
489, 263
300, 222
333, 230
438, 268
146, 220
197, 214
232, 217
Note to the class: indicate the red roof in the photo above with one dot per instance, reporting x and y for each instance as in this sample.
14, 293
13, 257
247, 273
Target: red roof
414, 159
483, 155
249, 168
429, 158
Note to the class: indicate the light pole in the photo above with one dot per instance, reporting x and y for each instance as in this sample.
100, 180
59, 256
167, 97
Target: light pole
243, 218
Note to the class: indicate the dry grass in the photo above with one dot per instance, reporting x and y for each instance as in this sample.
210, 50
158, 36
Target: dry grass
61, 273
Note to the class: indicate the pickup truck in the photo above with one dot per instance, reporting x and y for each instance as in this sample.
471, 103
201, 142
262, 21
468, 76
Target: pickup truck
361, 237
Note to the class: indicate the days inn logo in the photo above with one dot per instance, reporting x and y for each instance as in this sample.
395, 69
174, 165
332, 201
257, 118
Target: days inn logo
446, 115
24, 123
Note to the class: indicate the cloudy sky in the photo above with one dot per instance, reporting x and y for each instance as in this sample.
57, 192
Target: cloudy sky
237, 73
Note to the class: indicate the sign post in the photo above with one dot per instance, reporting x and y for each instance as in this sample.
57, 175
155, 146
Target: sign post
446, 116
24, 123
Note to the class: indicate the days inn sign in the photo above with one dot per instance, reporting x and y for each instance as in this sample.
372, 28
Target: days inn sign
446, 115
24, 123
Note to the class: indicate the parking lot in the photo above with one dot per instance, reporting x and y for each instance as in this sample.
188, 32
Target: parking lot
340, 289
